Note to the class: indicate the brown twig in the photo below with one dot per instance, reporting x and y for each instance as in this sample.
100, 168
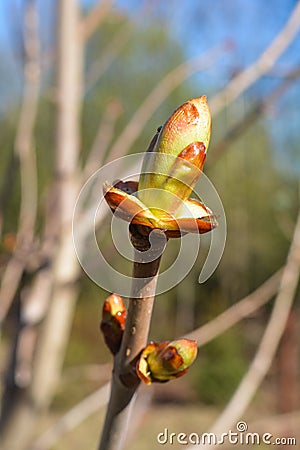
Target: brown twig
125, 380
202, 335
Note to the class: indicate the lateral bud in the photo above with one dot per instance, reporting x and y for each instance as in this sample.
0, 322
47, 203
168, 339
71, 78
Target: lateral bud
113, 322
166, 361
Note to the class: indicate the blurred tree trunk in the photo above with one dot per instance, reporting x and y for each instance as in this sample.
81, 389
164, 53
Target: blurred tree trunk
56, 328
20, 418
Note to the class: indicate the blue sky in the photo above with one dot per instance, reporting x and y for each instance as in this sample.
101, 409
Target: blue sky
196, 25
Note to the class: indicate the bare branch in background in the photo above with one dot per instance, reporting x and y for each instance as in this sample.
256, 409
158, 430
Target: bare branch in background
56, 328
54, 287
84, 409
158, 95
52, 342
24, 150
141, 407
94, 17
266, 351
219, 147
91, 372
236, 87
203, 335
19, 367
113, 49
108, 55
35, 301
103, 138
253, 114
237, 312
261, 66
89, 405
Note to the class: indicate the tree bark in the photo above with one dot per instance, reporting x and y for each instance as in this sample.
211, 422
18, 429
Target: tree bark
125, 380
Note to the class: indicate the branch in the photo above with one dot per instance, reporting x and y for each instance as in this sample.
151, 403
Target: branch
91, 372
103, 138
238, 85
56, 327
94, 17
24, 149
203, 335
251, 116
261, 66
112, 50
264, 356
54, 332
237, 312
82, 410
125, 380
108, 55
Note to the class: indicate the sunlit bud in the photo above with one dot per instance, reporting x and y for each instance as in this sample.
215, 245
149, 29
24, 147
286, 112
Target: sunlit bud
113, 322
166, 361
177, 156
171, 168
